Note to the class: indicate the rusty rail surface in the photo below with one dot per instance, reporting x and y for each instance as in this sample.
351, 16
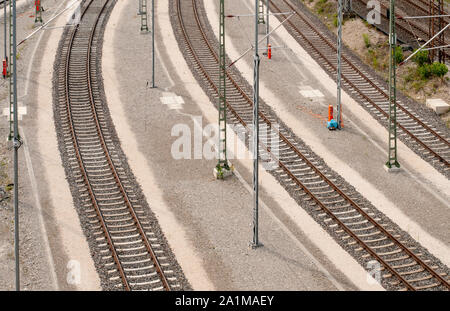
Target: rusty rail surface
108, 158
351, 82
211, 58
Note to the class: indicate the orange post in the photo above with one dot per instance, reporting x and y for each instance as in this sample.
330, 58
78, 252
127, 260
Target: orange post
269, 51
330, 112
5, 68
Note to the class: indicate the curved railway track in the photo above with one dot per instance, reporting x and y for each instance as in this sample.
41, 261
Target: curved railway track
298, 169
408, 30
132, 255
424, 139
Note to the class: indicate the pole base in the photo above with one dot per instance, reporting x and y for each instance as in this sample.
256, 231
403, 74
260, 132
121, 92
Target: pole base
392, 169
221, 172
255, 246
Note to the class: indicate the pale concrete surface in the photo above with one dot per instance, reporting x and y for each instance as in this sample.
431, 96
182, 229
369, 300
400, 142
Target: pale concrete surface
65, 218
438, 105
213, 216
48, 219
416, 199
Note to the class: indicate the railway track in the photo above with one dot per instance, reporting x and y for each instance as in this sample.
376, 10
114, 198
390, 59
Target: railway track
423, 138
352, 223
130, 253
413, 32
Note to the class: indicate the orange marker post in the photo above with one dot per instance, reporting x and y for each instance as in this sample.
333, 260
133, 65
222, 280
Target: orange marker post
269, 51
330, 113
5, 69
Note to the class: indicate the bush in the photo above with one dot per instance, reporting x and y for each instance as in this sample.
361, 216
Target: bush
398, 55
424, 71
438, 69
421, 58
366, 40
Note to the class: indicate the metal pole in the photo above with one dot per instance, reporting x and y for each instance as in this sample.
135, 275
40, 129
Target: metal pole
267, 23
143, 13
255, 242
11, 82
153, 43
392, 151
222, 163
338, 76
16, 143
5, 20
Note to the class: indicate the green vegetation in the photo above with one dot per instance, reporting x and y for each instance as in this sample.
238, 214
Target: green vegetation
425, 70
421, 58
366, 40
438, 69
398, 55
377, 54
327, 9
323, 6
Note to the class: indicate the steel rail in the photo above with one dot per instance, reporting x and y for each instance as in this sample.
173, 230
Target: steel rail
420, 8
364, 77
81, 163
114, 170
110, 163
415, 25
205, 74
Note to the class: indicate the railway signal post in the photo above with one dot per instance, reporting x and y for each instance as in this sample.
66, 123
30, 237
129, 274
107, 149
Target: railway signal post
338, 75
5, 60
256, 60
222, 168
392, 162
16, 141
38, 17
153, 43
267, 26
12, 65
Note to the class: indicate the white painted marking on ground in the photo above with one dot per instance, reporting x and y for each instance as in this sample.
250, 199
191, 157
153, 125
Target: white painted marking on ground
22, 110
172, 101
311, 93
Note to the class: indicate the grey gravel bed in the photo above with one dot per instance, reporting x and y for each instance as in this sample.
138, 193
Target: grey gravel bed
303, 201
424, 113
102, 271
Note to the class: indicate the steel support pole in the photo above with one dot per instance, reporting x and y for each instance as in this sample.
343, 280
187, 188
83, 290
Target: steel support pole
260, 12
153, 43
267, 24
5, 19
392, 151
16, 144
339, 74
143, 13
222, 168
11, 82
256, 59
